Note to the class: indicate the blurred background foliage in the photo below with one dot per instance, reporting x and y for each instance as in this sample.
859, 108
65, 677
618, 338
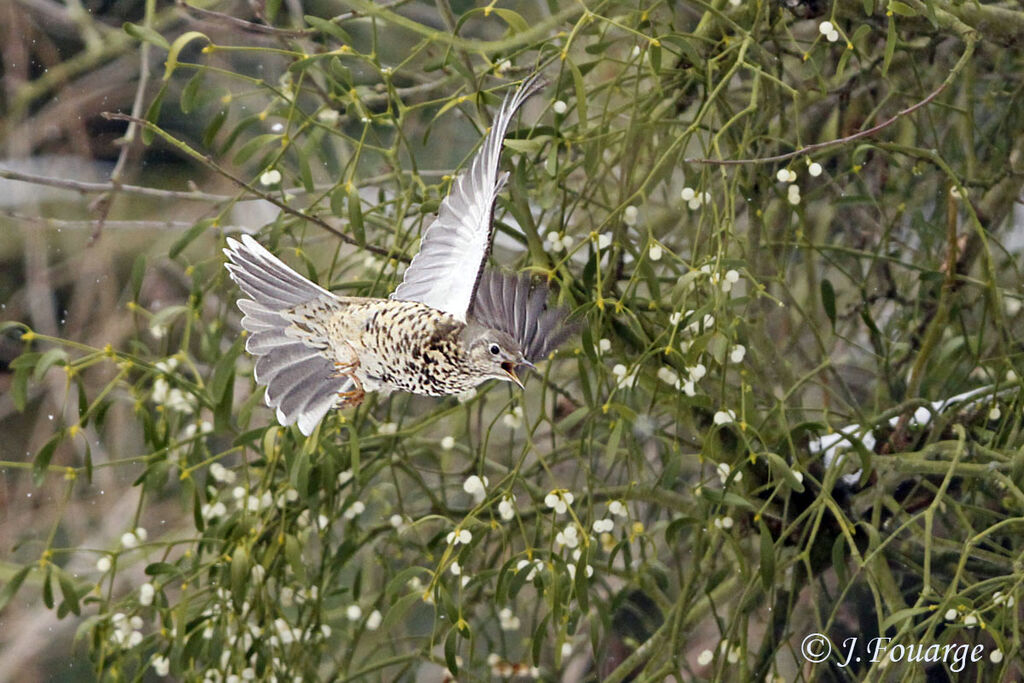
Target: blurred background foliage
673, 497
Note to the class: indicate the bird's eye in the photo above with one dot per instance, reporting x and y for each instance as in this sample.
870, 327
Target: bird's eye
495, 349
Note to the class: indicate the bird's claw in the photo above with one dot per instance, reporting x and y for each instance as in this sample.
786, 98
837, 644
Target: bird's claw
355, 396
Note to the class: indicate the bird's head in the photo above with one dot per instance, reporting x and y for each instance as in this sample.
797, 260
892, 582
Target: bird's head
494, 354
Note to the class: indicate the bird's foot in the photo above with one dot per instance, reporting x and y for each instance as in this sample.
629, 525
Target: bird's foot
355, 396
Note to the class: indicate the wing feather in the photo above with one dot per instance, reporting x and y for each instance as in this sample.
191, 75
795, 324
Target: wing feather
515, 305
301, 381
445, 272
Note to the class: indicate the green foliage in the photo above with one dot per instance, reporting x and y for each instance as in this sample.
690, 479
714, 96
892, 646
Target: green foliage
753, 274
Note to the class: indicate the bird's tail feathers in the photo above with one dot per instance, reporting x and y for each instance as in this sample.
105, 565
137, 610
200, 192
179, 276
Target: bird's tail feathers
301, 381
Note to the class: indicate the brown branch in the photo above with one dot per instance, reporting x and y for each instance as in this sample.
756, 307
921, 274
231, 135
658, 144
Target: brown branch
90, 188
828, 143
187, 195
103, 203
217, 168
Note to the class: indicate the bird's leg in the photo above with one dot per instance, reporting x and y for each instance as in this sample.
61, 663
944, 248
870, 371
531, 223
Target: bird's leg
355, 396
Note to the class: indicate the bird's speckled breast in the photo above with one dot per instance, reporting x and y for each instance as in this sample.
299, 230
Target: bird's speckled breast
403, 345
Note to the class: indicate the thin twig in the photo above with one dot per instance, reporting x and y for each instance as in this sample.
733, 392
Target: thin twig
242, 23
828, 143
103, 203
187, 195
91, 224
213, 165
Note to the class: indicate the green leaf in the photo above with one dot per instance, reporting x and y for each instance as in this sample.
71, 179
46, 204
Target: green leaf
158, 568
355, 216
899, 616
338, 196
145, 34
767, 557
839, 559
828, 301
48, 587
175, 50
270, 10
11, 587
516, 23
188, 237
212, 128
293, 553
890, 46
138, 274
539, 637
902, 9
329, 28
781, 468
41, 462
67, 590
190, 93
259, 143
398, 609
581, 94
153, 115
239, 574
451, 651
47, 361
581, 581
654, 53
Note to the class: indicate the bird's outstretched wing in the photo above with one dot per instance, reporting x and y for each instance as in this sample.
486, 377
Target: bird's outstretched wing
302, 384
519, 307
445, 272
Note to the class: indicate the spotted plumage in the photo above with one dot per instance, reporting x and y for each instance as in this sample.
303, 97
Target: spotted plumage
449, 325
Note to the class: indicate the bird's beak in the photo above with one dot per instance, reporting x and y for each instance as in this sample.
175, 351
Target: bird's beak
510, 370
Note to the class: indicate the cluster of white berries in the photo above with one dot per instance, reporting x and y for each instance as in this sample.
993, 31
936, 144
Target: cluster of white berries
826, 29
477, 487
463, 536
514, 418
351, 512
127, 632
630, 215
604, 240
559, 500
724, 417
147, 592
688, 385
624, 378
270, 177
557, 242
1001, 598
131, 539
508, 620
694, 199
507, 508
568, 536
724, 523
724, 471
173, 399
222, 474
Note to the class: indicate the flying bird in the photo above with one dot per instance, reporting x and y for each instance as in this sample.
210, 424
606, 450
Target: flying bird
450, 325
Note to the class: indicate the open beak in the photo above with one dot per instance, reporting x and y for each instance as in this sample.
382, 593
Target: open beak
510, 370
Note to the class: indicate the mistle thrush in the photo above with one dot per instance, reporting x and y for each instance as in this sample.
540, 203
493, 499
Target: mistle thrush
450, 325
